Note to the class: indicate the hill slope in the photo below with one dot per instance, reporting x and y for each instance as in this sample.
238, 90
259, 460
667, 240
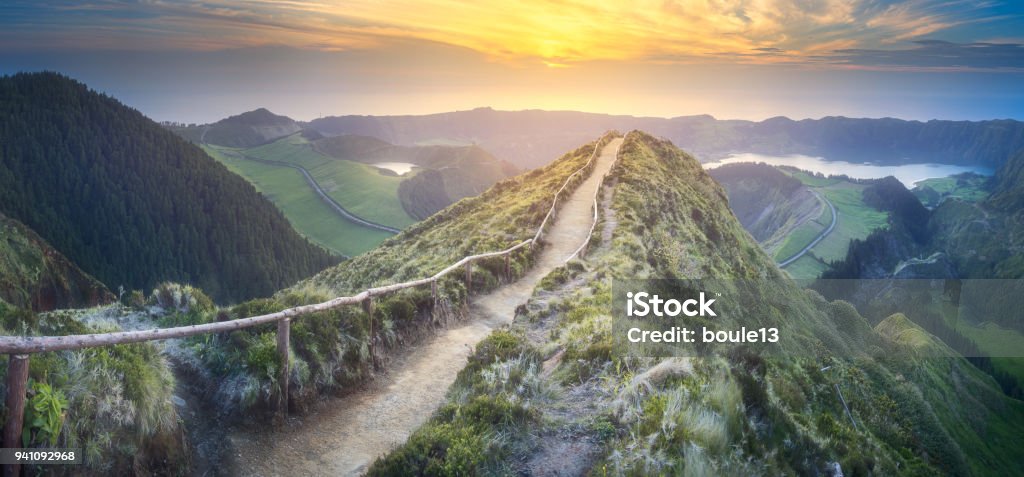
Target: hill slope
248, 129
451, 172
34, 275
132, 203
553, 391
769, 203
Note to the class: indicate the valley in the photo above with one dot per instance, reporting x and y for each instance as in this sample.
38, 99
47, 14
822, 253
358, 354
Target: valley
369, 189
309, 214
496, 368
349, 433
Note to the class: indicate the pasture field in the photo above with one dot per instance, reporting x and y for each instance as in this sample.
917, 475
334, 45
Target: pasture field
310, 216
363, 190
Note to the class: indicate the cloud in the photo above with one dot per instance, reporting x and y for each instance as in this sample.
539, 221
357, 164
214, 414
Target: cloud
562, 33
938, 54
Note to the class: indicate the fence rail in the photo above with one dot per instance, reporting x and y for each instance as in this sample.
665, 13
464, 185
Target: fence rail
20, 347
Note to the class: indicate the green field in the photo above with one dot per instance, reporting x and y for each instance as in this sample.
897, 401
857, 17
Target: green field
310, 216
803, 235
361, 189
856, 221
1003, 344
968, 187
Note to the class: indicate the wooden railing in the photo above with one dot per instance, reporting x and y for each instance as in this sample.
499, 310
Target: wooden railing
18, 348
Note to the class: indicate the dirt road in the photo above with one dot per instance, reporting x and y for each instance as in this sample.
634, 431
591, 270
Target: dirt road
347, 434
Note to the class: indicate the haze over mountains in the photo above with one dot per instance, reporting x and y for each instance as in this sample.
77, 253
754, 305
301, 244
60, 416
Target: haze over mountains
533, 138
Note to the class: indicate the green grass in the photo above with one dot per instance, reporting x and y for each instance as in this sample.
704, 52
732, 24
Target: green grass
360, 188
807, 266
813, 181
304, 209
856, 221
1004, 344
968, 187
803, 235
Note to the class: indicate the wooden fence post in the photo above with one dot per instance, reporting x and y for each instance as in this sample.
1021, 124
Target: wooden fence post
469, 277
17, 381
283, 340
433, 291
508, 267
368, 308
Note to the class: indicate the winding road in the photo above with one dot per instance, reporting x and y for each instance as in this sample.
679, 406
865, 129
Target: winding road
343, 212
819, 238
347, 434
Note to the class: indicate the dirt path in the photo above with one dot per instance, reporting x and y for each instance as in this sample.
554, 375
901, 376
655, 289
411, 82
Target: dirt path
347, 434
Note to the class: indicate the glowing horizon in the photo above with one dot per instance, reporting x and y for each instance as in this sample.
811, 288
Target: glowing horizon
747, 59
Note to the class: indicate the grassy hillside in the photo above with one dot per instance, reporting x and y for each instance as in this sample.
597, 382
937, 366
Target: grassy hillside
447, 173
363, 190
344, 167
965, 186
772, 206
779, 208
551, 393
856, 218
310, 216
133, 204
114, 404
244, 130
34, 275
332, 350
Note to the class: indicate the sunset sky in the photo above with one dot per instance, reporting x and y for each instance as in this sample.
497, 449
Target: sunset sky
200, 61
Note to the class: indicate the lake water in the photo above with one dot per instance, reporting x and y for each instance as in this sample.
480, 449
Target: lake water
400, 168
908, 174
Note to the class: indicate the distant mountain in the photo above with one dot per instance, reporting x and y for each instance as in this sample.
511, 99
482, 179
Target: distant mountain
451, 172
133, 204
532, 138
34, 275
248, 129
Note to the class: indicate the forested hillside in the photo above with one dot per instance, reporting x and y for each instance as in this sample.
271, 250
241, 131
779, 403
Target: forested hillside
133, 204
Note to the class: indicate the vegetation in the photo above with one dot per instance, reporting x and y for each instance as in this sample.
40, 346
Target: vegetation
738, 413
450, 172
342, 166
531, 138
34, 275
307, 212
359, 188
131, 203
114, 402
338, 349
776, 208
962, 239
965, 186
248, 129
